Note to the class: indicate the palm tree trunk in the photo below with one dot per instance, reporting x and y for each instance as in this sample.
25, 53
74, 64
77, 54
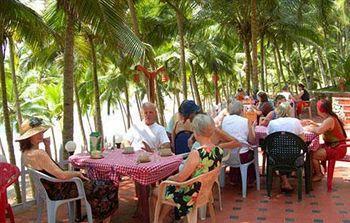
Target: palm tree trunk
180, 25
191, 85
329, 68
321, 65
138, 104
160, 104
177, 97
128, 115
279, 58
122, 112
133, 16
224, 89
277, 69
249, 62
89, 123
254, 28
97, 103
303, 67
5, 111
54, 144
14, 80
80, 114
263, 63
68, 79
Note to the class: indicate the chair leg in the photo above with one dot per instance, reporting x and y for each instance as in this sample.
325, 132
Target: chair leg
10, 213
212, 212
331, 165
40, 203
244, 170
157, 212
269, 177
71, 211
88, 211
51, 212
2, 208
300, 183
192, 216
219, 194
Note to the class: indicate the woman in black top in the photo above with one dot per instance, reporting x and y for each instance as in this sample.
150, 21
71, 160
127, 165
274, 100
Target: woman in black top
303, 98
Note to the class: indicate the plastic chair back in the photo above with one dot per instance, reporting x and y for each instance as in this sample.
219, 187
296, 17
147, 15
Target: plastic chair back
204, 197
181, 142
285, 150
52, 205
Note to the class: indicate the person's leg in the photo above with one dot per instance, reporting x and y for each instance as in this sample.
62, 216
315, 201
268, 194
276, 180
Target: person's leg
317, 156
285, 183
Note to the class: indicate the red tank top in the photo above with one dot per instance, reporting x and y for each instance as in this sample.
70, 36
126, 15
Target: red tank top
336, 135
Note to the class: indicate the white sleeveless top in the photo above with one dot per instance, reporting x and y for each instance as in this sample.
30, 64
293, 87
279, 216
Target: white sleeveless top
237, 126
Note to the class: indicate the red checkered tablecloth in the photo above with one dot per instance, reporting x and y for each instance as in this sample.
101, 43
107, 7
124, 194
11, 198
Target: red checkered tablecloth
310, 137
115, 163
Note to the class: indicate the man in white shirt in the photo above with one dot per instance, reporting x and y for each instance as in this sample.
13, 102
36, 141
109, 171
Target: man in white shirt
147, 135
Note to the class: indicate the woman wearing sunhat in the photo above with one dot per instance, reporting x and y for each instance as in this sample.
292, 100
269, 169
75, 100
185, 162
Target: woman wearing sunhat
101, 194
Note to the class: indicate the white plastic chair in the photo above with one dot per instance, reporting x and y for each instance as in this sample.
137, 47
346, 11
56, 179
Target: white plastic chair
235, 161
41, 196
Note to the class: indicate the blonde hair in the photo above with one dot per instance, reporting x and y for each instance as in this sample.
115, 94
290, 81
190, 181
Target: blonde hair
283, 110
203, 125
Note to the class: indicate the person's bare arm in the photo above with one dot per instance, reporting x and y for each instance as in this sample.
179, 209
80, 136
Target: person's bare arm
49, 166
226, 141
267, 119
251, 134
189, 167
326, 125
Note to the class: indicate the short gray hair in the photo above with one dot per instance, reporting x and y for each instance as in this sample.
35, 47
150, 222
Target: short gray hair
203, 125
148, 105
235, 108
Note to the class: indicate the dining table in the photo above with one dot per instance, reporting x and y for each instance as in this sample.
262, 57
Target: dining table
115, 163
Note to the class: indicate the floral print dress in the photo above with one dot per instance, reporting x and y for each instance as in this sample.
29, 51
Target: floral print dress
185, 197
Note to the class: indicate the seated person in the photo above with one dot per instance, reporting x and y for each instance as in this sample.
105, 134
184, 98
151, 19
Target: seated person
200, 161
333, 133
284, 122
187, 110
302, 98
272, 114
102, 195
264, 106
147, 134
240, 128
240, 96
286, 93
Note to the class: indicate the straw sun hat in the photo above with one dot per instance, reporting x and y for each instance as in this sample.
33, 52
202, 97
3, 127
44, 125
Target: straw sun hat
31, 127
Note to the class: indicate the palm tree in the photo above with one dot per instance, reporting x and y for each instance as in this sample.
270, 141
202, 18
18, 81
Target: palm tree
104, 17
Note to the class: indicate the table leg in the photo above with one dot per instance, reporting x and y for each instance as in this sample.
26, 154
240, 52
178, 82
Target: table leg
142, 211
